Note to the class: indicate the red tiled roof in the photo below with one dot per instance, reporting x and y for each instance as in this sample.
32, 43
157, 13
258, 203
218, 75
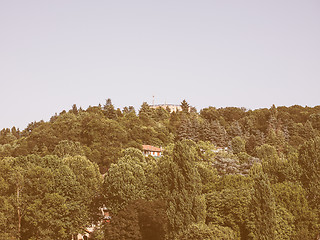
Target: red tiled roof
151, 148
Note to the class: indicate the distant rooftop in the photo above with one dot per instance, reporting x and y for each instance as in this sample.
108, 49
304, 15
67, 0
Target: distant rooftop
151, 148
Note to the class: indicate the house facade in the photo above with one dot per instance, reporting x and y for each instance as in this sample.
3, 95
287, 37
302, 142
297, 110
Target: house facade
151, 150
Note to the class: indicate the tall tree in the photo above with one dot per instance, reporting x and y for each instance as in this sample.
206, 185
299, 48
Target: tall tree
238, 145
145, 110
219, 134
139, 220
189, 128
125, 181
230, 205
185, 106
309, 161
182, 187
109, 110
291, 199
262, 208
48, 197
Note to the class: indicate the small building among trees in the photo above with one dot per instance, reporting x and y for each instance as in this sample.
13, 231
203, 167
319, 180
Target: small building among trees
170, 107
151, 150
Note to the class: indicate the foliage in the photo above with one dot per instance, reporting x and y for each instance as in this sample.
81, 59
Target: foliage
262, 216
182, 187
47, 197
204, 232
228, 203
124, 182
68, 148
197, 231
248, 174
141, 220
238, 145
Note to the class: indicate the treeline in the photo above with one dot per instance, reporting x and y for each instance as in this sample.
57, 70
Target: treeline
226, 173
104, 131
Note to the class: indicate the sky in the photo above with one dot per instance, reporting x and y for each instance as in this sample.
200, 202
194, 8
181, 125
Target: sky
248, 53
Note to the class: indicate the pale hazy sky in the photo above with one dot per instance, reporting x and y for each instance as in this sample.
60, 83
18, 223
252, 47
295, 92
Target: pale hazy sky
212, 53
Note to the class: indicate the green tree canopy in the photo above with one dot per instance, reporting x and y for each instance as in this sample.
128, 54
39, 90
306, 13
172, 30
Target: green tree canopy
182, 187
47, 197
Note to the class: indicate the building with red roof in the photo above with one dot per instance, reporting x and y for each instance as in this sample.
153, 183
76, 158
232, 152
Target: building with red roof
151, 150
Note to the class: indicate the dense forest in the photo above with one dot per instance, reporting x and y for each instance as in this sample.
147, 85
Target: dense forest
225, 173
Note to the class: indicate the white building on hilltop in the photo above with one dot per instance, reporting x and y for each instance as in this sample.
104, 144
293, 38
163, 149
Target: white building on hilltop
172, 107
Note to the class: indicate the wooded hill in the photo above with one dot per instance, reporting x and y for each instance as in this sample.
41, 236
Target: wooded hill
263, 184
